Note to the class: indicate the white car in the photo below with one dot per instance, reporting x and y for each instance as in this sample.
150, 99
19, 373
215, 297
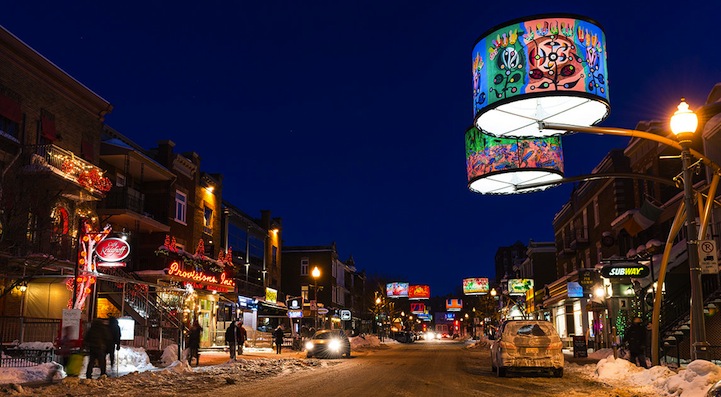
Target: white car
527, 345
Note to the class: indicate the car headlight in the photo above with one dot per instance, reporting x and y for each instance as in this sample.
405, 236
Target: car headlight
334, 345
309, 345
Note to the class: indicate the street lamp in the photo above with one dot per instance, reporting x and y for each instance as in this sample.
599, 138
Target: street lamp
683, 124
316, 274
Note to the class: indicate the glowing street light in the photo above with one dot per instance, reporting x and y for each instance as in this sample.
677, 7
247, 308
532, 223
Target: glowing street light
316, 274
683, 124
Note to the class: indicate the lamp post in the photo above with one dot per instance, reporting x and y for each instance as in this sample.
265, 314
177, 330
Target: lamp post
315, 273
683, 125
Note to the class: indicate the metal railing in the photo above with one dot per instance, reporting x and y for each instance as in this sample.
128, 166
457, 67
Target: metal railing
23, 329
19, 358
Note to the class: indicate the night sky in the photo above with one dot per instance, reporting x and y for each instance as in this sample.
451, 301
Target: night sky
346, 118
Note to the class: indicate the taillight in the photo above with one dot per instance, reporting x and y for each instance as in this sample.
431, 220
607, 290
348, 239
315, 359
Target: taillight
555, 345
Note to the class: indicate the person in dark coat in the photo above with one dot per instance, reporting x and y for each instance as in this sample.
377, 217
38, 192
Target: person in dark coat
636, 339
242, 337
194, 343
96, 343
231, 338
278, 338
114, 341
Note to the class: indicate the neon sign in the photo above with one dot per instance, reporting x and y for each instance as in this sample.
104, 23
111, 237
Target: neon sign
201, 277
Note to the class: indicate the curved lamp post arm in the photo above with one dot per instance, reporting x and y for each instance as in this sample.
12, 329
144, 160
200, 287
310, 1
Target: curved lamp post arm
631, 134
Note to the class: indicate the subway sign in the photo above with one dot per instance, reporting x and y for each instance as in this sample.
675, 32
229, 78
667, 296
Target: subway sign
625, 269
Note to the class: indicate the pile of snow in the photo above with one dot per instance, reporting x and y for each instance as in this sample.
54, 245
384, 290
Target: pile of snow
365, 341
692, 381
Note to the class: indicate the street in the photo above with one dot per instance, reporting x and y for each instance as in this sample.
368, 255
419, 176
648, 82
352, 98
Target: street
435, 368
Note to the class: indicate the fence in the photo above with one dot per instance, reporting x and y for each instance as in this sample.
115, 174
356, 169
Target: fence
27, 329
16, 358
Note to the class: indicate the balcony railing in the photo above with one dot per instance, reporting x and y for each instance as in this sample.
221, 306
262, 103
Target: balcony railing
67, 165
125, 198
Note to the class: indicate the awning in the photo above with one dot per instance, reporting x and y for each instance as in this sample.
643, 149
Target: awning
637, 220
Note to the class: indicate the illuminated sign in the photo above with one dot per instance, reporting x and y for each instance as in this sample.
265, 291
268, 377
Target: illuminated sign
345, 315
419, 292
271, 295
397, 290
295, 313
575, 290
127, 328
112, 249
454, 305
200, 277
519, 286
425, 317
475, 286
417, 308
625, 269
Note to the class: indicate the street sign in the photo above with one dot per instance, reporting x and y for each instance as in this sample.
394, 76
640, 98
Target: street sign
707, 257
345, 315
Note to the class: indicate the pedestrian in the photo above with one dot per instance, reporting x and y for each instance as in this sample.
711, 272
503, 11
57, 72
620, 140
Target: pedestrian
114, 341
96, 343
636, 339
278, 338
231, 338
194, 342
241, 337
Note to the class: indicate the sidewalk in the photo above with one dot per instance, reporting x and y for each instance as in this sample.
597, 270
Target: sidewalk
217, 356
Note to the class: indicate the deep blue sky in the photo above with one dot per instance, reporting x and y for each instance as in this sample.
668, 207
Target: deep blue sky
347, 118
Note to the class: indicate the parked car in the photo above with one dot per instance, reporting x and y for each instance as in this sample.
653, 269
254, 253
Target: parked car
328, 343
527, 345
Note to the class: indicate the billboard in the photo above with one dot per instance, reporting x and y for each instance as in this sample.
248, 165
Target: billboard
397, 290
419, 292
418, 308
454, 305
475, 286
519, 286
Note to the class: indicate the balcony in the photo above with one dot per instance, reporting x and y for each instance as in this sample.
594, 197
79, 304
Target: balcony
125, 207
52, 159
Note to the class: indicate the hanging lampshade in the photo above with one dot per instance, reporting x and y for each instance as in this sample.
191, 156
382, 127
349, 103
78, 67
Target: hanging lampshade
502, 165
542, 68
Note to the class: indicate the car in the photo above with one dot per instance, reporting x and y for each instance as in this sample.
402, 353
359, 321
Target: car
521, 345
328, 343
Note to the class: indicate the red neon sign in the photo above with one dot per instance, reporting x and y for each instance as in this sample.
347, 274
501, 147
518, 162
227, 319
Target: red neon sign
175, 270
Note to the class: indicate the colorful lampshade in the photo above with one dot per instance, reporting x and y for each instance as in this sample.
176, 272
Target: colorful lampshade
550, 68
502, 165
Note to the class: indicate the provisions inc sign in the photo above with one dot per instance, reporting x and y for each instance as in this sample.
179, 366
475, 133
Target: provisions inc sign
625, 269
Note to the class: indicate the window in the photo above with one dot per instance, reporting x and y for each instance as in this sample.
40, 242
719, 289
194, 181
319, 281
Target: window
207, 220
181, 207
304, 265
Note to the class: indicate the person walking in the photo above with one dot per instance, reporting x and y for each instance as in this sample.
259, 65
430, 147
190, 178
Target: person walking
231, 338
96, 343
278, 337
242, 337
636, 339
194, 342
114, 341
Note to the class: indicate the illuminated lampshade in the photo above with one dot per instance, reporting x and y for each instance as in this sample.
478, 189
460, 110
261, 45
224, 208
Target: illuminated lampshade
499, 165
550, 68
